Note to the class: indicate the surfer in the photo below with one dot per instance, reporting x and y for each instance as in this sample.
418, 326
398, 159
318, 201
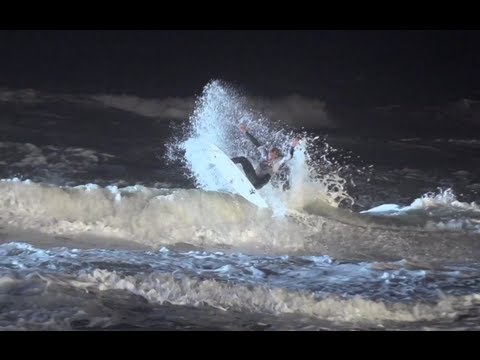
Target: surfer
271, 161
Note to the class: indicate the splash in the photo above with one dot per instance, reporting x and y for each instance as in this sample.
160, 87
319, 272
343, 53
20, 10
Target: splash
216, 118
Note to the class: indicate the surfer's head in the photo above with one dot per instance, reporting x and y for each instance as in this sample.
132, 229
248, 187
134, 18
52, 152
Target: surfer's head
274, 153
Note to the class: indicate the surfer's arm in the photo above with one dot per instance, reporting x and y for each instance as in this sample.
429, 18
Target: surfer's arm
243, 128
261, 148
252, 139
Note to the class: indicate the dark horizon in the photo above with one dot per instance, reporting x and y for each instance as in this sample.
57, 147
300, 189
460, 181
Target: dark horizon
351, 70
385, 66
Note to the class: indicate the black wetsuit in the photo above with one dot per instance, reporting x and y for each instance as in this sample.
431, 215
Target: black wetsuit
265, 169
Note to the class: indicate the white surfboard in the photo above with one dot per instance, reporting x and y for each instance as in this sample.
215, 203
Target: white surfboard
215, 171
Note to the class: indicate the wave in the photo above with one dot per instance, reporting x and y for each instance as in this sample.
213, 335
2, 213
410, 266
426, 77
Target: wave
26, 96
168, 108
56, 164
435, 211
20, 155
292, 110
60, 301
146, 215
160, 288
211, 220
466, 142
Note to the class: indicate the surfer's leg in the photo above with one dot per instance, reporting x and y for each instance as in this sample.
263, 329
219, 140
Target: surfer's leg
247, 168
261, 181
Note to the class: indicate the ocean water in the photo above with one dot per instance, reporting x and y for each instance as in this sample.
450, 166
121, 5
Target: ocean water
108, 221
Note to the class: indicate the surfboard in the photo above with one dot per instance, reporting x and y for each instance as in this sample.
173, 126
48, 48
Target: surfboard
214, 171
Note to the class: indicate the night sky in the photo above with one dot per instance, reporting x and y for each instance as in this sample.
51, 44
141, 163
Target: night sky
346, 68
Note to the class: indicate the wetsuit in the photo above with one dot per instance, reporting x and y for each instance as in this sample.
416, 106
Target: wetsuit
266, 169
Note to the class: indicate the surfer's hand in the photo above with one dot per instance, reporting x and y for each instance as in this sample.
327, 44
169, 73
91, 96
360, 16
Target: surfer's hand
243, 128
295, 142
